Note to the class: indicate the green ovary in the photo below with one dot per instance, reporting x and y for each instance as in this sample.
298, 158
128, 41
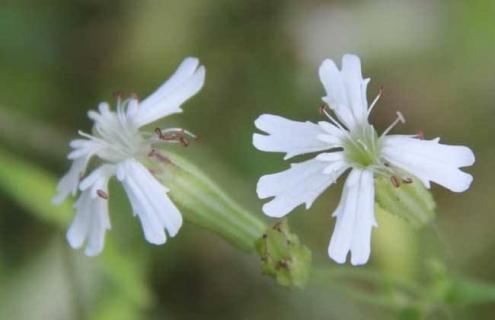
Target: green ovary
362, 148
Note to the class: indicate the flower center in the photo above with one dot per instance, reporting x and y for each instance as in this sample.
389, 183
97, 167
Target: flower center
362, 147
116, 134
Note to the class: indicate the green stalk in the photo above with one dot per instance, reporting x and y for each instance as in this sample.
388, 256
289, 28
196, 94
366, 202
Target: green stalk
206, 205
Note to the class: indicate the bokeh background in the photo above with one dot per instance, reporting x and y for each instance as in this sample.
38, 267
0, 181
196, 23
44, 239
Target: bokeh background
59, 58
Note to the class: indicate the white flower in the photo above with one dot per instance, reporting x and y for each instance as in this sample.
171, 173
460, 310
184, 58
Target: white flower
350, 142
120, 149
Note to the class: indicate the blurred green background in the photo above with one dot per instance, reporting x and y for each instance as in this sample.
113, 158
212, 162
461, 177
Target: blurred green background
59, 58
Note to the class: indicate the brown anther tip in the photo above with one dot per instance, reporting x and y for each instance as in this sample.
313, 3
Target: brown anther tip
381, 91
117, 94
264, 236
183, 140
158, 156
321, 109
420, 134
102, 194
395, 181
159, 133
134, 95
407, 180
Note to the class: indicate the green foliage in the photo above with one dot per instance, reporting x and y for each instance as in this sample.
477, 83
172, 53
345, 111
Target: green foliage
207, 205
32, 188
410, 201
463, 291
283, 256
457, 290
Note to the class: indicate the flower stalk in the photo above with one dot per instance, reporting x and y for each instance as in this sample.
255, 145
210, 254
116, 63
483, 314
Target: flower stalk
207, 206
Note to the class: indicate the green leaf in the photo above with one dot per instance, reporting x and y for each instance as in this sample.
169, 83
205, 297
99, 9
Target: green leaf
283, 256
32, 188
410, 201
465, 292
207, 206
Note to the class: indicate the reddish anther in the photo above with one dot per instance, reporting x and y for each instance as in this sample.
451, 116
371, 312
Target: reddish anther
157, 155
134, 95
395, 181
321, 109
102, 194
407, 180
420, 134
381, 91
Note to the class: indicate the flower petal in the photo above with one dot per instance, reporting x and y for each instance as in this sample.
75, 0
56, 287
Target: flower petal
355, 219
82, 152
69, 182
149, 201
346, 90
187, 80
355, 84
91, 221
292, 137
299, 184
429, 160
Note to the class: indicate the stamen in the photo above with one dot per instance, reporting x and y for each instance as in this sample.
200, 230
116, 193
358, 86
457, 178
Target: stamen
157, 155
134, 96
395, 181
159, 133
420, 134
400, 118
93, 138
365, 147
407, 180
176, 135
323, 111
118, 96
102, 194
380, 94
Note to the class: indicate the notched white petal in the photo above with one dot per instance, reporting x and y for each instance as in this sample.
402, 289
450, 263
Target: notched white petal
302, 183
429, 160
69, 182
355, 219
90, 223
345, 90
149, 202
187, 80
292, 137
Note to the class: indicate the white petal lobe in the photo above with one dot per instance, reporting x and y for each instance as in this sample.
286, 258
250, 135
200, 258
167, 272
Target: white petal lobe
91, 220
345, 90
292, 137
430, 161
354, 84
355, 219
69, 182
149, 201
302, 183
187, 80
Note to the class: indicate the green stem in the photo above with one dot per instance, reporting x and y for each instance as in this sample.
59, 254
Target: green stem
207, 206
341, 275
